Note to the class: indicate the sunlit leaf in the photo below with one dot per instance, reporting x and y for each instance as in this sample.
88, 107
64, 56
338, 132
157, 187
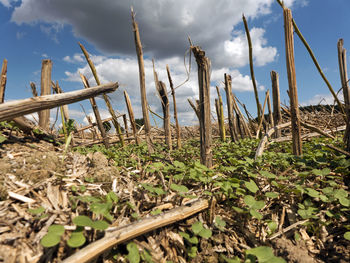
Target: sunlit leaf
56, 229
82, 221
37, 211
197, 227
50, 240
251, 186
76, 239
347, 235
133, 255
179, 188
100, 225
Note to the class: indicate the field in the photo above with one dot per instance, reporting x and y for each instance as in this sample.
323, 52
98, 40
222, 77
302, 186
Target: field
269, 189
277, 208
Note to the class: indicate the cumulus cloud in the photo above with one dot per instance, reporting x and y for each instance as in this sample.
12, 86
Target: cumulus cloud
7, 3
125, 71
76, 58
319, 99
164, 25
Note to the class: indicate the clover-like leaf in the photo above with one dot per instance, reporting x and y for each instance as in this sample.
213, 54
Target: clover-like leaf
50, 240
133, 255
197, 227
192, 252
100, 225
205, 233
76, 239
56, 229
219, 223
82, 221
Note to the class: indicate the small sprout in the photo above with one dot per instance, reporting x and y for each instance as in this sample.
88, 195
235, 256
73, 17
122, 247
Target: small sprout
156, 212
100, 225
133, 255
264, 255
198, 229
82, 221
53, 236
37, 211
179, 188
219, 223
77, 239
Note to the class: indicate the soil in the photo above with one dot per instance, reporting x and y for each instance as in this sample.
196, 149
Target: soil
44, 173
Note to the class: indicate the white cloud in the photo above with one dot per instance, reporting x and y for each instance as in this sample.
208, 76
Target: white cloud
76, 58
164, 25
7, 3
319, 99
235, 52
125, 71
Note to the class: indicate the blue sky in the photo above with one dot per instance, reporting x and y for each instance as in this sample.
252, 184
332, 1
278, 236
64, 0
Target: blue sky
32, 30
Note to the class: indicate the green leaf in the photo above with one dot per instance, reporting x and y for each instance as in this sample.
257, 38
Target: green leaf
311, 192
192, 252
112, 197
263, 254
339, 193
146, 256
36, 211
329, 213
56, 229
258, 205
267, 174
76, 239
197, 227
347, 235
328, 190
251, 186
237, 209
205, 233
219, 223
82, 221
100, 225
50, 240
179, 188
230, 260
2, 138
272, 226
156, 212
192, 240
249, 200
324, 198
133, 255
255, 214
344, 201
159, 191
271, 194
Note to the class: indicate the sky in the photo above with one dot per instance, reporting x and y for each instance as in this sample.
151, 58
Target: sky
33, 30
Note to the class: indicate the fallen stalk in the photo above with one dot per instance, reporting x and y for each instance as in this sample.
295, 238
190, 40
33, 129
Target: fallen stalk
136, 229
